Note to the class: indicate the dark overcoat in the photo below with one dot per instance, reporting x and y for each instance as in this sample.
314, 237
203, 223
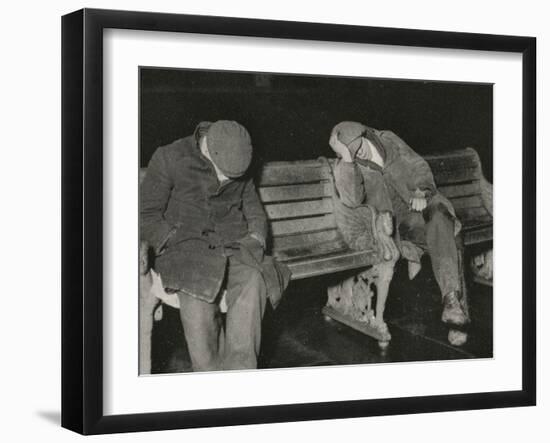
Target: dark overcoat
193, 222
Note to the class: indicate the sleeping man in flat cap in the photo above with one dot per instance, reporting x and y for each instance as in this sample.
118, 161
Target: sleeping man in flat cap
201, 215
378, 168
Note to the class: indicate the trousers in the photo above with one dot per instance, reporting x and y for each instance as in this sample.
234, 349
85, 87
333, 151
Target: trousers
234, 344
433, 231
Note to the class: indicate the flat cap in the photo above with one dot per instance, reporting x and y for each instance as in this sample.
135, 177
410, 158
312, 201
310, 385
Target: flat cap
230, 147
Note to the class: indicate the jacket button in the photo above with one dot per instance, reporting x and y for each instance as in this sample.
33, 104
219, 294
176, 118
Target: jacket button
211, 247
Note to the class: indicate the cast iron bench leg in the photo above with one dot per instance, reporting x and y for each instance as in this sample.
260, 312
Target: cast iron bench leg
350, 301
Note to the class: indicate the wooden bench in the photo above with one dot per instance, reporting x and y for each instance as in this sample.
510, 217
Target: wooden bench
298, 200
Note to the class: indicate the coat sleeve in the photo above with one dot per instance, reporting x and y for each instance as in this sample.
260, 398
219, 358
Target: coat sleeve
155, 193
419, 172
254, 213
349, 183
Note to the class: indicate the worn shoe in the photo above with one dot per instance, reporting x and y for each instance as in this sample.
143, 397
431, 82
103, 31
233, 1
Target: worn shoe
452, 310
456, 337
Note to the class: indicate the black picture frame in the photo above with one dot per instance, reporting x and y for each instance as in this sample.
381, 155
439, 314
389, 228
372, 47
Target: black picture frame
82, 219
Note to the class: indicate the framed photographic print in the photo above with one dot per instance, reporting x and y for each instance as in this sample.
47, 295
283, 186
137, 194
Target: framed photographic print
269, 221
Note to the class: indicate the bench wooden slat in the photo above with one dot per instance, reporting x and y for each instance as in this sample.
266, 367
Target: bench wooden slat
478, 235
461, 159
310, 224
455, 153
331, 263
273, 174
448, 176
467, 202
299, 240
460, 190
298, 209
478, 213
295, 192
479, 223
312, 250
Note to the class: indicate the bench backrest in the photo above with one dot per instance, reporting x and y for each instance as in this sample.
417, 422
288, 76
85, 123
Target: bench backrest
297, 197
459, 177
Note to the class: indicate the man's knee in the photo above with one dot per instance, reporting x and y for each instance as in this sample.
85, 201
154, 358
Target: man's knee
246, 284
197, 316
255, 284
253, 293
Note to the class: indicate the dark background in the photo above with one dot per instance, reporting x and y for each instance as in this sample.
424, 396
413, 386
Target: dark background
290, 116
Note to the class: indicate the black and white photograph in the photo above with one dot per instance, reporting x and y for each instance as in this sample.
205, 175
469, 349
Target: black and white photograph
275, 222
286, 221
290, 221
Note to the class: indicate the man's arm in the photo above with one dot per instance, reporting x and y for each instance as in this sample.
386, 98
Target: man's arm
254, 213
420, 173
155, 192
349, 183
347, 176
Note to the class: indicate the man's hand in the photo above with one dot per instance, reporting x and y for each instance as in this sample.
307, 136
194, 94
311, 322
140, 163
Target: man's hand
254, 245
418, 201
341, 149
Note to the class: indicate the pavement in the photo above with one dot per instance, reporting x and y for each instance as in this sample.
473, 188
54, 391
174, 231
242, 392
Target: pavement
297, 334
